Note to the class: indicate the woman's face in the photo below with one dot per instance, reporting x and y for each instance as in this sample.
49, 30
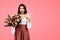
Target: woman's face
22, 9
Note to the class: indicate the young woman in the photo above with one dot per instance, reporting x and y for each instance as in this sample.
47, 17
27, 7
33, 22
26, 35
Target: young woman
23, 22
21, 32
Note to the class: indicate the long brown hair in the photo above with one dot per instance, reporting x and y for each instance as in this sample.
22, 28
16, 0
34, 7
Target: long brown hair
24, 8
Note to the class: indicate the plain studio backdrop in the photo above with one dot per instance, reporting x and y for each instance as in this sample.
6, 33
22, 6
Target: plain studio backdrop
45, 17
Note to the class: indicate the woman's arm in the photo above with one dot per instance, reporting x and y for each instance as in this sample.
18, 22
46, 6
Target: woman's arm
29, 24
28, 17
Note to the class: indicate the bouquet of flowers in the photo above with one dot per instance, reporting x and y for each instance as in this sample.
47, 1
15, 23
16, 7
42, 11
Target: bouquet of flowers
14, 21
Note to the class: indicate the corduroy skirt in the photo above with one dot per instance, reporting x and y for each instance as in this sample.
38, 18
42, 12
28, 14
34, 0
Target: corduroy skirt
22, 33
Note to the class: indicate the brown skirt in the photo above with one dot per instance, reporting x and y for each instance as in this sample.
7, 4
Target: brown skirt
22, 33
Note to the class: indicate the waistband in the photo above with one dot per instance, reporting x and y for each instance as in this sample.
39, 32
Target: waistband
22, 24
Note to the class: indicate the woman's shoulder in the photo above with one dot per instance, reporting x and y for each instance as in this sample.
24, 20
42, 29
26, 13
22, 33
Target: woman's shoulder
28, 15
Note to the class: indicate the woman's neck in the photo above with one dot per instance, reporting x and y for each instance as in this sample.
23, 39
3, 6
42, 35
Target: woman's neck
22, 13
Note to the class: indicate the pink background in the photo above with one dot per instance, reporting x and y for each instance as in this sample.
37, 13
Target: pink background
45, 17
